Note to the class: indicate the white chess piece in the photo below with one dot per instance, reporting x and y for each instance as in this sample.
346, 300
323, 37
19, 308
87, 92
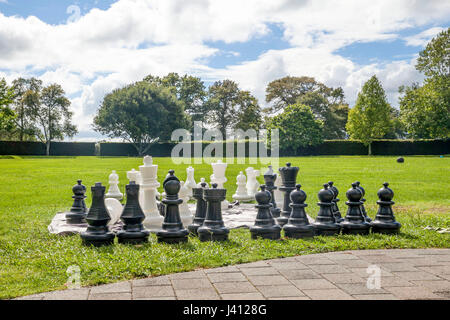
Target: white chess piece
113, 191
218, 177
252, 183
135, 176
202, 180
190, 181
277, 194
185, 214
149, 173
114, 208
241, 191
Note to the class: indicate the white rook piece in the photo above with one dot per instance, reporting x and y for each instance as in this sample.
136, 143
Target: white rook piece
252, 183
218, 177
113, 191
185, 214
190, 181
149, 171
241, 191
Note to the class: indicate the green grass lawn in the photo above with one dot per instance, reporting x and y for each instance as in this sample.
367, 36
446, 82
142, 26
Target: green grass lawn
35, 188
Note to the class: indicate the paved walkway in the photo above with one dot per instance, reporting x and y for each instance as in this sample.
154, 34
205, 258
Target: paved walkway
405, 274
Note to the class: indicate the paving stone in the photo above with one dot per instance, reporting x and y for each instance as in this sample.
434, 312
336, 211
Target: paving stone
110, 296
252, 264
395, 282
375, 259
31, 297
437, 270
409, 293
242, 296
329, 268
290, 298
155, 281
226, 277
197, 294
433, 251
359, 288
300, 274
381, 296
343, 278
362, 272
339, 256
312, 259
280, 291
221, 269
398, 266
291, 265
422, 262
188, 275
118, 287
445, 276
71, 294
268, 280
313, 284
260, 271
419, 275
153, 291
156, 298
234, 287
354, 263
191, 284
439, 285
328, 294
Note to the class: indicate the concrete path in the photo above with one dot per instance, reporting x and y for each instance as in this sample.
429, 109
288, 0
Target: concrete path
405, 274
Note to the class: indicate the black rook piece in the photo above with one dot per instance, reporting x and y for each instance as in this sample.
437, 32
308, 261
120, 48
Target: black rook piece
265, 225
363, 209
200, 212
325, 223
384, 220
97, 232
288, 178
213, 228
77, 214
132, 216
335, 209
172, 228
269, 180
354, 222
298, 225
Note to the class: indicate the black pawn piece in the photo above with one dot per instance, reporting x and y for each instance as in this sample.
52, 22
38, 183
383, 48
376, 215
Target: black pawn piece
354, 222
133, 231
200, 212
363, 209
400, 160
172, 228
265, 225
77, 214
269, 180
213, 228
298, 225
385, 220
288, 178
335, 209
325, 224
97, 232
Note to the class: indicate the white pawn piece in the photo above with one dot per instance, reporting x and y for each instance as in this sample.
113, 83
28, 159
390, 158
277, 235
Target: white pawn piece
185, 214
149, 173
114, 208
218, 177
113, 191
277, 194
202, 180
241, 191
190, 181
252, 183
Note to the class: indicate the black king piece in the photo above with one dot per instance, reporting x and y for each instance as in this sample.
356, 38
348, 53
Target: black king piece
172, 228
200, 211
288, 178
77, 214
269, 180
97, 232
213, 228
265, 225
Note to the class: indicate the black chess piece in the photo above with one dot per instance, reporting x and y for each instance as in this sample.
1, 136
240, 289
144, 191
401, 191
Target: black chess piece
288, 178
298, 225
265, 226
385, 220
363, 209
200, 211
78, 211
269, 180
133, 231
97, 232
325, 224
213, 228
354, 222
335, 209
172, 228
400, 160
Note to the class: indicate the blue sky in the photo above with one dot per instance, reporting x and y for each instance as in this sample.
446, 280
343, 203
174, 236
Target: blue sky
111, 43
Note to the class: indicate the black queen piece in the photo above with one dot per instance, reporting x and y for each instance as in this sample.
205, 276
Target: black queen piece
269, 180
78, 211
172, 228
200, 211
325, 223
298, 225
354, 222
288, 178
265, 226
213, 228
384, 221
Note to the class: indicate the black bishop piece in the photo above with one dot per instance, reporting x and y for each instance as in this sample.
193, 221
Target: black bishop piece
265, 226
77, 213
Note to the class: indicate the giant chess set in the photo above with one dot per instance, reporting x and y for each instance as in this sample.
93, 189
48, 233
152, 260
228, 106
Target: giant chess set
280, 207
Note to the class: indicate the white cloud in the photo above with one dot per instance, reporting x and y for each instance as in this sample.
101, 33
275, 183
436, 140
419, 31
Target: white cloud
422, 38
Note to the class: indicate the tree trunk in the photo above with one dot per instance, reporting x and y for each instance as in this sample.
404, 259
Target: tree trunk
370, 148
47, 151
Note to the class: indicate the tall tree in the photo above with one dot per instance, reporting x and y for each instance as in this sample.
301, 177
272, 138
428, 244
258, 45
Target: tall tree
434, 60
249, 113
142, 114
370, 119
50, 109
7, 115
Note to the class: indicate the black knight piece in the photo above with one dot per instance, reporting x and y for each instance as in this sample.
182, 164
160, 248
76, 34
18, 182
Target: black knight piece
200, 211
288, 178
213, 228
354, 222
77, 214
363, 209
385, 220
269, 180
172, 228
97, 232
298, 225
325, 223
335, 209
133, 231
265, 226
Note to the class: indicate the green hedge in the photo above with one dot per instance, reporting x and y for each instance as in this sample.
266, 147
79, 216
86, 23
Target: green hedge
409, 147
28, 148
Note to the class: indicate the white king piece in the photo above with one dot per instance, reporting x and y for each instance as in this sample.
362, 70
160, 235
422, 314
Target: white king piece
218, 177
149, 172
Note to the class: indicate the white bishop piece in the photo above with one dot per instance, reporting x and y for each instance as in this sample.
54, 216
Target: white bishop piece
113, 191
241, 191
218, 177
190, 181
252, 182
185, 214
148, 173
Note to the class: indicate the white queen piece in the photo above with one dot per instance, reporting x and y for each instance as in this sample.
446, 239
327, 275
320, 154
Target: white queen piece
149, 173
